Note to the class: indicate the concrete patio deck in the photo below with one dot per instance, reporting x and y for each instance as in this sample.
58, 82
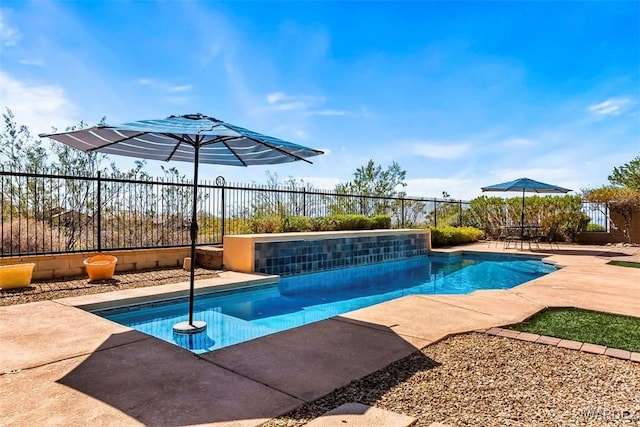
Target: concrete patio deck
60, 365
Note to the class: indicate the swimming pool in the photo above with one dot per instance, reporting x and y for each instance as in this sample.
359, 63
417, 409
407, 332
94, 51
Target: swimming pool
243, 314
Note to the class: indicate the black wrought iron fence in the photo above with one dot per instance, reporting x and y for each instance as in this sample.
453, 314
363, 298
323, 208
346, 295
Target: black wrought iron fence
48, 214
599, 216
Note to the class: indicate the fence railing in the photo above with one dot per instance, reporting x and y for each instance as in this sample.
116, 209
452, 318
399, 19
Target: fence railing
48, 214
599, 215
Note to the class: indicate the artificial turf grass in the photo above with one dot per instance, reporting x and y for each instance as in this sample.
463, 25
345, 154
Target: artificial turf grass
610, 330
625, 264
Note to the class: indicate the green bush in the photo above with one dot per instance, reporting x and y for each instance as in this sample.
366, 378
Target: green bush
596, 227
352, 222
295, 223
265, 224
560, 213
381, 222
448, 235
278, 224
323, 223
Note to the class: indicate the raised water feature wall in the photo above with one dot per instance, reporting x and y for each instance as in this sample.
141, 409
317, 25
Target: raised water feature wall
296, 253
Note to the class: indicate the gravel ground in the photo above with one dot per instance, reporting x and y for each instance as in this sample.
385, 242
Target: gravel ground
61, 288
466, 380
481, 380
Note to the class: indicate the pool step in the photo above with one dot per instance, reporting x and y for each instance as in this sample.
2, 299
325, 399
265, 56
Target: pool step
354, 414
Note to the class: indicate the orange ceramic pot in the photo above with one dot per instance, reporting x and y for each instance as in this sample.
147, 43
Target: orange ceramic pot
100, 267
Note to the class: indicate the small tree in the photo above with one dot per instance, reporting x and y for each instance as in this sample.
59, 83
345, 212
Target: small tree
285, 198
372, 181
627, 175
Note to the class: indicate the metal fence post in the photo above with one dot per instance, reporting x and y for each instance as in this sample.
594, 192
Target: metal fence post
221, 182
435, 213
402, 210
99, 212
460, 207
304, 201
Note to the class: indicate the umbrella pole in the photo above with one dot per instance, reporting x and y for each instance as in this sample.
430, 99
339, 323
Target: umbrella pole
193, 231
192, 327
522, 222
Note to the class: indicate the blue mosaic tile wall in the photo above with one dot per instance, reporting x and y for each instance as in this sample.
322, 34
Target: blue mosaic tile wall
305, 256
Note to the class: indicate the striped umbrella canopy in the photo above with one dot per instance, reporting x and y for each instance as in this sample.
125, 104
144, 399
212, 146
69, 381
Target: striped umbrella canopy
525, 185
193, 138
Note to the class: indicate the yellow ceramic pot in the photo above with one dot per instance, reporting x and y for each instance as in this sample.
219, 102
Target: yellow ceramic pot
16, 275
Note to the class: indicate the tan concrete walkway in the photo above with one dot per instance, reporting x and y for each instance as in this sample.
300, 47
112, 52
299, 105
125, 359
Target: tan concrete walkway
60, 365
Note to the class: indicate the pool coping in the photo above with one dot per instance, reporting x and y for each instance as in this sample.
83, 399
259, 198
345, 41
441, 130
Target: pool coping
225, 281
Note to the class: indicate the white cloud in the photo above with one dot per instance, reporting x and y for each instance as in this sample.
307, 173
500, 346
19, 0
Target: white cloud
32, 62
328, 113
610, 107
180, 88
38, 106
9, 36
438, 150
283, 102
366, 112
275, 97
170, 92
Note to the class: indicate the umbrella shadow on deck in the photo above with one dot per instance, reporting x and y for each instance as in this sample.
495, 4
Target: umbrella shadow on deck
157, 383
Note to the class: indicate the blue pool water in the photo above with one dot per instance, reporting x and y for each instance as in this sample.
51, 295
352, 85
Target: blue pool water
244, 314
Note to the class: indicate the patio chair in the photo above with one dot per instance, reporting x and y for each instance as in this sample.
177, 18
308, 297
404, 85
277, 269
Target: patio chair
497, 235
550, 236
512, 234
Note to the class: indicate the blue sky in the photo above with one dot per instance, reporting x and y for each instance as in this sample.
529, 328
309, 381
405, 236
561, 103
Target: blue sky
460, 94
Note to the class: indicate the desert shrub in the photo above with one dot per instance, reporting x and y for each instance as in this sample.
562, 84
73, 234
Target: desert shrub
29, 236
265, 224
596, 227
295, 223
352, 222
278, 224
448, 235
561, 213
381, 222
323, 223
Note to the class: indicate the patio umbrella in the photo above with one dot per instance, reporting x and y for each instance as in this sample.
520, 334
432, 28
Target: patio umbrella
525, 185
193, 138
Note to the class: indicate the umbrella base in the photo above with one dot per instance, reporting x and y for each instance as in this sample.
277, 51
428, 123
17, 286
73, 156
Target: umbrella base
187, 328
